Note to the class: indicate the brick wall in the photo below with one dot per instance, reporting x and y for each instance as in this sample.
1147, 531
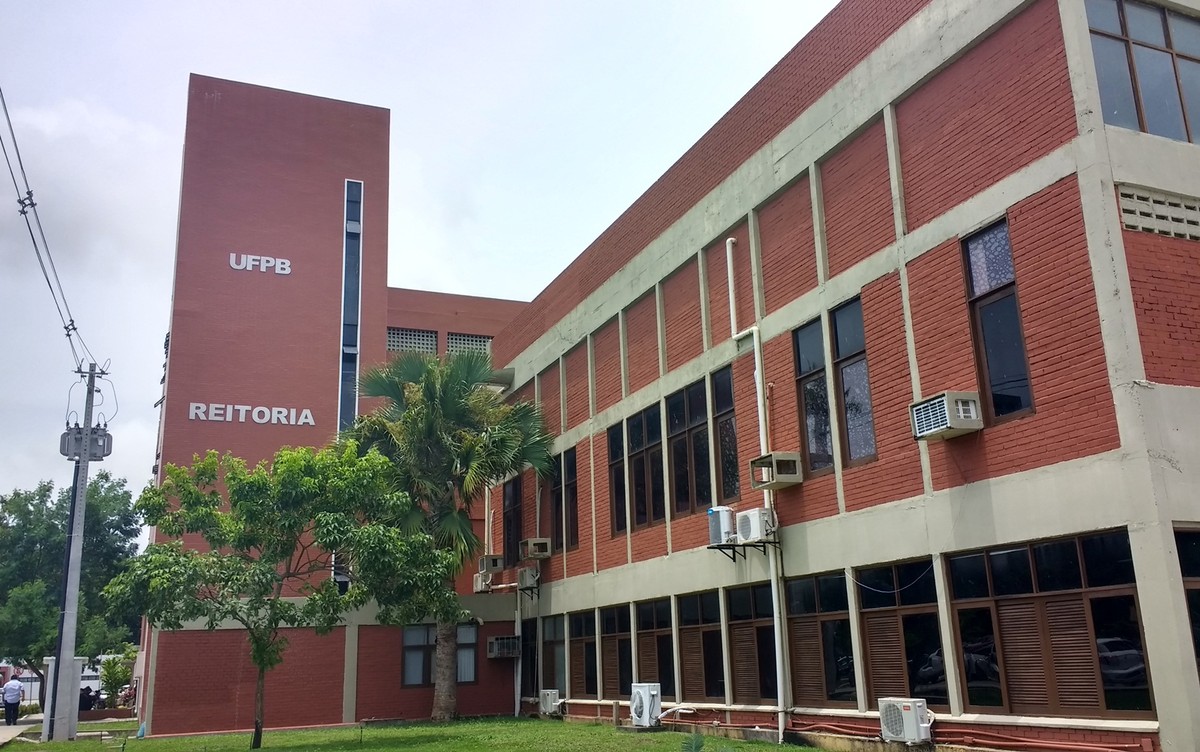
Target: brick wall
839, 42
896, 473
1165, 277
606, 346
550, 398
681, 306
787, 246
1068, 372
205, 681
575, 366
999, 107
857, 195
641, 326
718, 283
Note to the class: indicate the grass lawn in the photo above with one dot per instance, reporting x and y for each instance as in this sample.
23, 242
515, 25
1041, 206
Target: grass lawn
122, 725
464, 736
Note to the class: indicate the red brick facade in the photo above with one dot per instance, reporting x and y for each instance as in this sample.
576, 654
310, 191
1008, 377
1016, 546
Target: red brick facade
857, 194
1163, 275
789, 261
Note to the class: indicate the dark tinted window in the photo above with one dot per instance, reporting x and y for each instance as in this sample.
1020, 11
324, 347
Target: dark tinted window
1119, 648
916, 582
762, 602
1057, 566
1010, 571
1160, 93
1188, 543
741, 606
839, 660
1193, 602
832, 590
710, 607
689, 610
645, 616
723, 390
980, 666
923, 650
1107, 559
767, 678
817, 426
810, 349
616, 444
1004, 349
802, 596
666, 664
876, 587
848, 329
968, 576
637, 433
676, 413
697, 407
714, 668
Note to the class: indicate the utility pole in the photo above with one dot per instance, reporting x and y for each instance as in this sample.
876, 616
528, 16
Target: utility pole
83, 445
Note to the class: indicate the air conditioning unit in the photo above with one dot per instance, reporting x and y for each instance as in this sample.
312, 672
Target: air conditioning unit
535, 548
775, 470
946, 415
903, 719
491, 563
645, 704
720, 526
527, 578
482, 583
755, 525
506, 646
548, 702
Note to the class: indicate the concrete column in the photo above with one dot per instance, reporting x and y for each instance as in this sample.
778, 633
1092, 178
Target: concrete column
950, 656
856, 643
350, 674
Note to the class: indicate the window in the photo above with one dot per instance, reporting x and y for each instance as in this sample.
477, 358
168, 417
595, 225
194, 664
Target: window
752, 640
813, 398
564, 502
529, 658
901, 638
459, 343
616, 652
1188, 544
728, 473
655, 645
644, 432
411, 340
853, 389
512, 521
996, 317
688, 444
554, 653
1148, 67
419, 654
819, 638
583, 655
1051, 628
616, 477
351, 287
702, 660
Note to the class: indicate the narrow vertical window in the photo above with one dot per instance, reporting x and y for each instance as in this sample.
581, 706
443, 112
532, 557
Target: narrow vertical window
813, 398
729, 479
854, 390
554, 654
999, 341
351, 287
564, 502
616, 651
512, 521
689, 445
583, 655
616, 477
644, 431
655, 645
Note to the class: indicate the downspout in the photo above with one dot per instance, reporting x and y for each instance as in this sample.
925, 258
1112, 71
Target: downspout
520, 657
764, 446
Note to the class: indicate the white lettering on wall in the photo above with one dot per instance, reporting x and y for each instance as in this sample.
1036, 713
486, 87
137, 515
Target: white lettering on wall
287, 416
248, 262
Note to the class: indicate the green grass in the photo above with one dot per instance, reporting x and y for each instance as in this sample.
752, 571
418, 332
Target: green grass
122, 725
464, 736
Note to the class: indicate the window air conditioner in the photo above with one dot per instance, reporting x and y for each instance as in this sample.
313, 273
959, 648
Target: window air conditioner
482, 583
645, 704
720, 526
903, 719
754, 526
946, 415
775, 470
535, 548
507, 646
491, 563
527, 578
548, 702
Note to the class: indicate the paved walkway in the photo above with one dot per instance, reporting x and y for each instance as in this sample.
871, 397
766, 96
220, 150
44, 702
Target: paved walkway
8, 733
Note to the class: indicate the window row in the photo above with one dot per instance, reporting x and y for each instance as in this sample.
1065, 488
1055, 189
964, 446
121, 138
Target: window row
420, 645
1045, 628
426, 341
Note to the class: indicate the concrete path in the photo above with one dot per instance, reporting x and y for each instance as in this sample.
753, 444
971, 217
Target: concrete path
8, 733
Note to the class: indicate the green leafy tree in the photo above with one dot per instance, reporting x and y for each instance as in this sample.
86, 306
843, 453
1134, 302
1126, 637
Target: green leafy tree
270, 538
33, 540
115, 672
449, 435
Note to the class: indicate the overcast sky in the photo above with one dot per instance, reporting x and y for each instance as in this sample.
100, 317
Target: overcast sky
520, 130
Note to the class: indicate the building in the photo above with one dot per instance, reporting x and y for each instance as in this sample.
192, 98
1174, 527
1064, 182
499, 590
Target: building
923, 196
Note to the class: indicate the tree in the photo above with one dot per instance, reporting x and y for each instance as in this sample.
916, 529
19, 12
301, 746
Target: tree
270, 542
449, 435
115, 672
32, 545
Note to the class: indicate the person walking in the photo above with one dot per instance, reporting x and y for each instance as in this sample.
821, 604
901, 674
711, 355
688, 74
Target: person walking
13, 692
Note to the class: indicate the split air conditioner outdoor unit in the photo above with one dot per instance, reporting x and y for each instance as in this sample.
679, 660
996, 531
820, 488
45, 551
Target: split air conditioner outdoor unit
645, 704
482, 583
527, 578
903, 719
507, 646
491, 563
720, 526
548, 702
535, 548
755, 525
946, 415
775, 470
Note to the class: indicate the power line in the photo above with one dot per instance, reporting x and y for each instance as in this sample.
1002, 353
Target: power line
45, 260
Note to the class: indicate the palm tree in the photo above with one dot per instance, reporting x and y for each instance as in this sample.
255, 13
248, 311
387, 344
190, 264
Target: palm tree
449, 436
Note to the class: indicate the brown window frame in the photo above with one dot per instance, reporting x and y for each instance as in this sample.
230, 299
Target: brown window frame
748, 672
977, 302
513, 522
1040, 600
564, 501
724, 414
1191, 583
1191, 130
841, 361
649, 455
554, 631
616, 479
652, 625
691, 644
803, 378
577, 643
612, 635
694, 430
800, 623
428, 651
